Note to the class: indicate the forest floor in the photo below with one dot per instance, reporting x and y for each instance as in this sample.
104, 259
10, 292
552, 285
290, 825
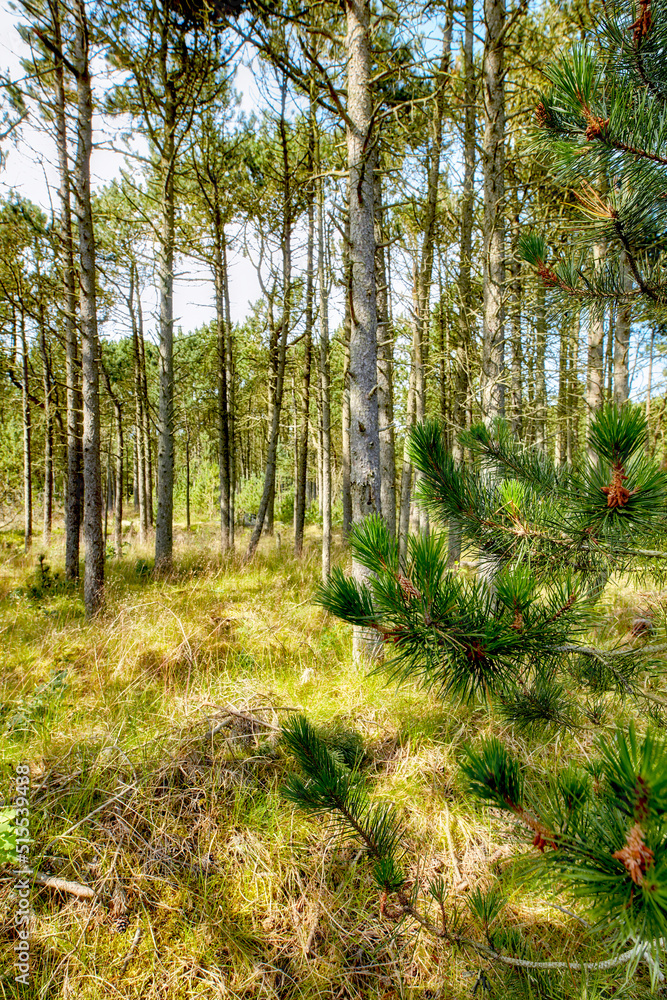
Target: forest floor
146, 788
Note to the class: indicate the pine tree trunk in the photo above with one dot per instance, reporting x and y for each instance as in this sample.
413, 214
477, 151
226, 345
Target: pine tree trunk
540, 374
93, 587
425, 270
406, 472
385, 351
140, 495
165, 451
231, 394
266, 506
145, 415
223, 402
325, 381
27, 440
622, 342
364, 426
516, 397
118, 497
461, 388
302, 444
493, 160
595, 376
345, 408
187, 479
563, 385
135, 475
48, 430
73, 498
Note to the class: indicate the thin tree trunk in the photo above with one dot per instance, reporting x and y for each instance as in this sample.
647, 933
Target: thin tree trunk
595, 376
140, 495
223, 403
118, 499
516, 398
424, 275
27, 441
406, 472
325, 379
461, 389
540, 374
622, 342
302, 449
231, 394
145, 416
93, 588
345, 409
493, 341
266, 505
563, 385
48, 430
648, 391
165, 459
187, 477
73, 498
385, 351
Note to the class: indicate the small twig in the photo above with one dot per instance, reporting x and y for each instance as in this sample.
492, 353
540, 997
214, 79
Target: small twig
252, 719
568, 913
638, 951
133, 947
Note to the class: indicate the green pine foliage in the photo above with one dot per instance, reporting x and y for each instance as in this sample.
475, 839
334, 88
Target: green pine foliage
330, 785
517, 638
603, 126
602, 835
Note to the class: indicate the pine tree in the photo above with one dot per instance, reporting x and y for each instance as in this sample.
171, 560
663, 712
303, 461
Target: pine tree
518, 642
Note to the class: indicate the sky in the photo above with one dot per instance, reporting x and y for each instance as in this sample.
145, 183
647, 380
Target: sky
30, 170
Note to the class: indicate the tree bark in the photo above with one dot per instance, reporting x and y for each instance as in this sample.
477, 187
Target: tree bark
493, 161
73, 493
364, 425
93, 587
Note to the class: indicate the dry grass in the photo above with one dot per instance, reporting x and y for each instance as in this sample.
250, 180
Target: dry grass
146, 789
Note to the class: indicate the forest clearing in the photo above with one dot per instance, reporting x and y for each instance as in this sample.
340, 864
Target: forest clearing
332, 403
147, 791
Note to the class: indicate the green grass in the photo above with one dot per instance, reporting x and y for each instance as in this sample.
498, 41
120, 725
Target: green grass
181, 828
